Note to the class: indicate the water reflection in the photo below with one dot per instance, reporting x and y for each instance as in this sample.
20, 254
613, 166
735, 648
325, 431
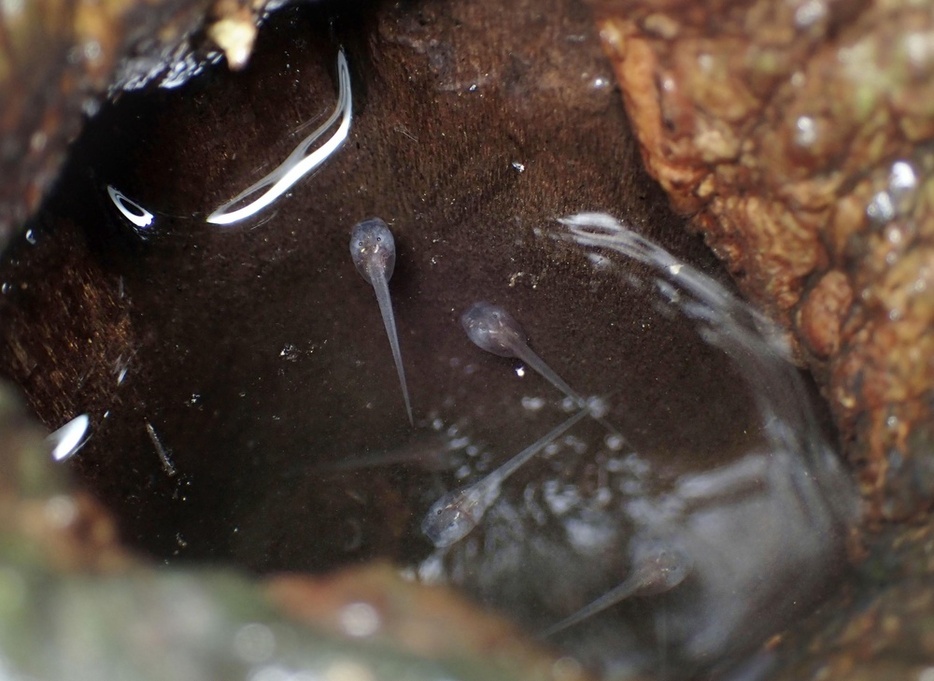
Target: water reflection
298, 164
257, 424
66, 441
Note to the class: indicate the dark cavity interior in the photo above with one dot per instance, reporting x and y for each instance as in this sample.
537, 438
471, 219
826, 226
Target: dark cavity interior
243, 399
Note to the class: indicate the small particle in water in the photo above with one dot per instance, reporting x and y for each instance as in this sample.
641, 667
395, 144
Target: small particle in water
437, 424
359, 619
613, 442
459, 443
599, 408
31, 236
603, 496
575, 443
600, 262
533, 404
164, 454
589, 537
289, 353
560, 498
668, 292
600, 82
518, 167
520, 371
615, 465
67, 440
193, 400
5, 288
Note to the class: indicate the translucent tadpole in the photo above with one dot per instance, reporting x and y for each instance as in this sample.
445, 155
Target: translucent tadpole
454, 515
655, 571
493, 329
373, 251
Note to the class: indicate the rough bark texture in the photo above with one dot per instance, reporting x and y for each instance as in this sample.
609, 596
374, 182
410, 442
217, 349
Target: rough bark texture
798, 136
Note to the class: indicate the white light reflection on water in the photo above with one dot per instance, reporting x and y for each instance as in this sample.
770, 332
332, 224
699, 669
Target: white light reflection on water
67, 440
297, 165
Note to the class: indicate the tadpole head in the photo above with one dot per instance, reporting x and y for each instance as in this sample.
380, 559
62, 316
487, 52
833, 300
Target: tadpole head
452, 517
373, 249
491, 328
661, 568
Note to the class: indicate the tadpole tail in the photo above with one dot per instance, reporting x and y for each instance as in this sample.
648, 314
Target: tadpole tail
381, 287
